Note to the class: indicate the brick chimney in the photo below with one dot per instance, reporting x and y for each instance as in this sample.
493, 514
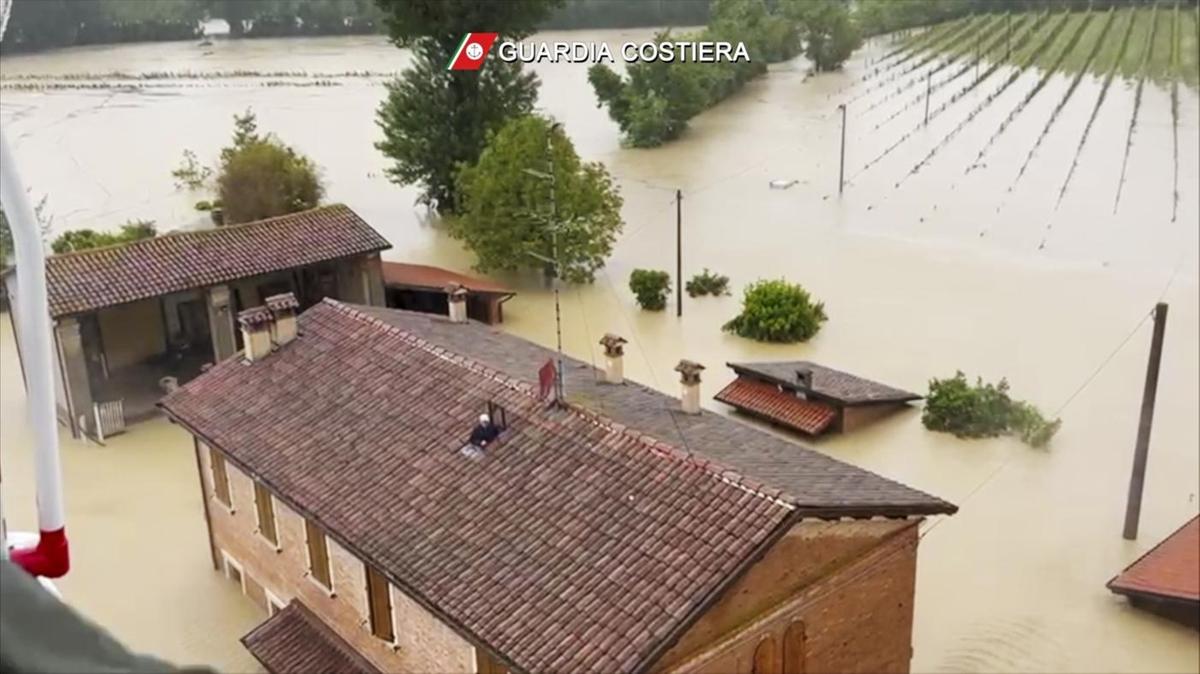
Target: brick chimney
256, 324
614, 358
689, 377
283, 313
456, 295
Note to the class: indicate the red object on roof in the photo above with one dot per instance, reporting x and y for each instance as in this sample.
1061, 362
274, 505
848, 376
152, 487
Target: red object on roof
547, 374
102, 277
295, 640
1169, 570
436, 278
766, 400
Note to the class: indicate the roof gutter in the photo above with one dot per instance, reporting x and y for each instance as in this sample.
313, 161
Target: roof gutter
50, 557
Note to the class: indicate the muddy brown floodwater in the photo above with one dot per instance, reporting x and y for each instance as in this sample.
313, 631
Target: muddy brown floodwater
922, 274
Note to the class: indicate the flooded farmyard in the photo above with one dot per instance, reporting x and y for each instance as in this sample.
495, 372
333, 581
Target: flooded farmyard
949, 249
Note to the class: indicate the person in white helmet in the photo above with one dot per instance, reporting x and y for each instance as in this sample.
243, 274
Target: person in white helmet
484, 432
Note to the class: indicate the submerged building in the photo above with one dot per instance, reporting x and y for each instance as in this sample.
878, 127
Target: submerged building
810, 398
617, 530
129, 315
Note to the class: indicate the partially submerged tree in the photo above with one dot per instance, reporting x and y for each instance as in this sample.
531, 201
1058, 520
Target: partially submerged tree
650, 287
258, 177
777, 311
983, 410
506, 214
85, 239
828, 30
435, 119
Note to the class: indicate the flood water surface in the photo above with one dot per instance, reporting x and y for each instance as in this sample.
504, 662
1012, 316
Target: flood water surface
922, 272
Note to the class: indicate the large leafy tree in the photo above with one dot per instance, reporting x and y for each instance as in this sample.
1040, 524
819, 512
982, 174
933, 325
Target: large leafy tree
828, 29
434, 120
261, 177
507, 216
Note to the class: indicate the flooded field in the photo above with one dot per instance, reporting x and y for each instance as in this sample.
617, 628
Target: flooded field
953, 246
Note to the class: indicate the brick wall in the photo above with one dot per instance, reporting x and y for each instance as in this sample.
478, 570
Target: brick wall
845, 590
423, 643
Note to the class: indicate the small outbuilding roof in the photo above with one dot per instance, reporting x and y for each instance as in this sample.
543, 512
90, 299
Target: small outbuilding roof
295, 640
427, 277
825, 383
765, 400
1170, 570
178, 261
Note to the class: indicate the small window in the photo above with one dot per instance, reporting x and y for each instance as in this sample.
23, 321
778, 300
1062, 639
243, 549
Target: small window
379, 604
266, 513
318, 555
274, 604
220, 475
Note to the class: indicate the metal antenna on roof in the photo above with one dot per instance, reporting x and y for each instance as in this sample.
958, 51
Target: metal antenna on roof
554, 261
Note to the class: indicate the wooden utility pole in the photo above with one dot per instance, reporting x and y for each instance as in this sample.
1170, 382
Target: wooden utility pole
842, 163
928, 91
1137, 479
679, 252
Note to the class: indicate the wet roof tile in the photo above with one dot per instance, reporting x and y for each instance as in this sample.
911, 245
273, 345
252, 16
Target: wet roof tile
1170, 569
178, 261
827, 383
436, 278
767, 401
295, 640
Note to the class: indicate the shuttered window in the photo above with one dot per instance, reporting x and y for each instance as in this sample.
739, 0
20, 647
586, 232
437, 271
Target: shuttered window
318, 555
220, 478
379, 603
266, 513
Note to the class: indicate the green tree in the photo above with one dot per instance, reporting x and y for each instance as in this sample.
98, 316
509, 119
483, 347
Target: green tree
6, 239
777, 311
434, 120
85, 239
506, 216
828, 30
650, 287
258, 176
983, 410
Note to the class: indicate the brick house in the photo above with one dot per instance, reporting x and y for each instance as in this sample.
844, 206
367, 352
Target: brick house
128, 315
618, 532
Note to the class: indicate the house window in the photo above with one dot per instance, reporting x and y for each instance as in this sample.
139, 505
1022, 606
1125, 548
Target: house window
220, 475
318, 555
266, 513
233, 571
486, 664
766, 657
379, 605
274, 604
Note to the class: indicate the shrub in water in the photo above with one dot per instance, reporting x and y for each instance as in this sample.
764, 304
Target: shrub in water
707, 283
983, 410
651, 287
777, 311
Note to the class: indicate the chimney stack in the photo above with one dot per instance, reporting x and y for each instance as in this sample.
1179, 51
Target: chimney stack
256, 332
614, 358
283, 314
689, 376
456, 294
805, 376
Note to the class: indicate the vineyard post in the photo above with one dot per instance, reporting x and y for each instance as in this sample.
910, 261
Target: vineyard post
842, 163
928, 91
1008, 38
1137, 479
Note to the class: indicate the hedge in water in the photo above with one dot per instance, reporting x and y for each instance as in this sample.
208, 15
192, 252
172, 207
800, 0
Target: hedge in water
983, 410
650, 286
778, 311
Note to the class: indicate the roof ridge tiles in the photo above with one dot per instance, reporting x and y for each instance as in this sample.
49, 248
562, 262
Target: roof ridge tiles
717, 470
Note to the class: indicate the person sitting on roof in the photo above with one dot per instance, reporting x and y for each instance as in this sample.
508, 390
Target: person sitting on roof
484, 432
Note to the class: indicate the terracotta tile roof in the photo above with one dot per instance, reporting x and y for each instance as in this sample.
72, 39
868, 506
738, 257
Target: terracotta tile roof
766, 400
436, 278
819, 484
294, 640
91, 279
1170, 569
572, 544
827, 383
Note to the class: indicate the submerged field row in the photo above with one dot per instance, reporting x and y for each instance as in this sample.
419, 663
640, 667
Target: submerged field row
1122, 47
929, 54
1137, 103
1108, 23
1041, 83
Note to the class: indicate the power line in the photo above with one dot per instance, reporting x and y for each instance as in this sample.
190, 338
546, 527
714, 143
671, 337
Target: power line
1104, 363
